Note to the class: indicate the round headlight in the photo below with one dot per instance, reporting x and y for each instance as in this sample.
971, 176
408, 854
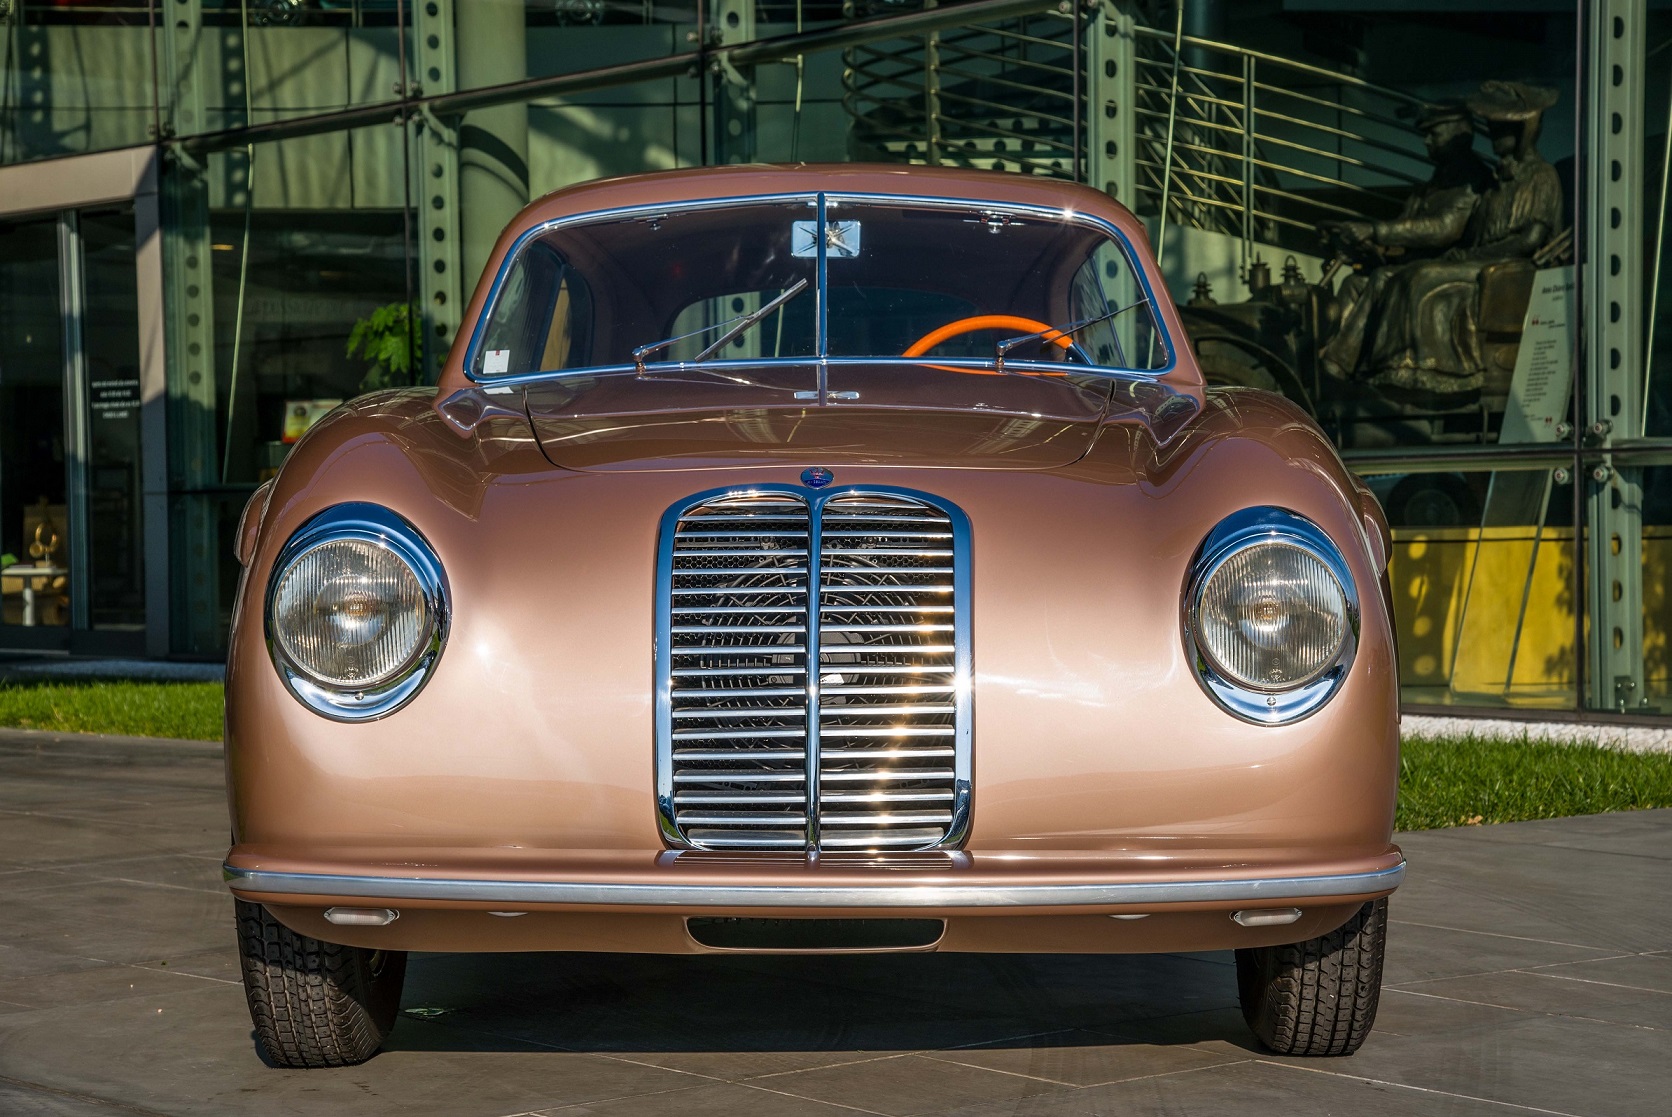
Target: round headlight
1272, 616
356, 612
350, 613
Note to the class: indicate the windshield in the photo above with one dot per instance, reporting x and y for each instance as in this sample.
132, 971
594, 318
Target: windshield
742, 282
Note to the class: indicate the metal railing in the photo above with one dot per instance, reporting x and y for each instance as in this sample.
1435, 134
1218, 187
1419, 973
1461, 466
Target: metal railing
1264, 148
998, 96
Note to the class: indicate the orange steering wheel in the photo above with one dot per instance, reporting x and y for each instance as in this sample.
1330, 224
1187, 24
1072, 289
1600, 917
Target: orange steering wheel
988, 322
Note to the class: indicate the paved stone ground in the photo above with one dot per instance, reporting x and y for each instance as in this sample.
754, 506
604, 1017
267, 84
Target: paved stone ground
1529, 971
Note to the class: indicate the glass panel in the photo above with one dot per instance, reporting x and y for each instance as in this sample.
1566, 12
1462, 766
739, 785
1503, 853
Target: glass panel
110, 345
1373, 243
589, 295
1655, 695
957, 282
508, 40
34, 520
74, 78
236, 62
309, 279
1483, 587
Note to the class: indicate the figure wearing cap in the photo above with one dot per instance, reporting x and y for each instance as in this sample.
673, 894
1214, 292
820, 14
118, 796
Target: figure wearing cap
1424, 338
1435, 217
1436, 214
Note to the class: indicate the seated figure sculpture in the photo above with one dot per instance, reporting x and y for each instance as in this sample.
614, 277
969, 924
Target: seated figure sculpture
1422, 338
1433, 219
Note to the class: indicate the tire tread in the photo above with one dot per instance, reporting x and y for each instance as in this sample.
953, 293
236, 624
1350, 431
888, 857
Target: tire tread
314, 1003
1317, 997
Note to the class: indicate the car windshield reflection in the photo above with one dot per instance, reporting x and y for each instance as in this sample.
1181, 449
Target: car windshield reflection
966, 285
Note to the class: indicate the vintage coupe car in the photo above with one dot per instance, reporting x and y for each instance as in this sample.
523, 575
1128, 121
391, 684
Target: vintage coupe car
813, 558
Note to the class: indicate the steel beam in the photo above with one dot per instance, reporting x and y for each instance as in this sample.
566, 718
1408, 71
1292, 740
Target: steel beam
434, 144
1111, 96
1613, 302
779, 48
731, 139
190, 323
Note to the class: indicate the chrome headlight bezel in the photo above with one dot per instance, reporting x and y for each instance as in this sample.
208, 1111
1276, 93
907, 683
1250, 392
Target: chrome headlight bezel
1235, 534
369, 523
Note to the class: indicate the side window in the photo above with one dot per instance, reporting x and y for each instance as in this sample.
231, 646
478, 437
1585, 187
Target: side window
542, 319
1107, 285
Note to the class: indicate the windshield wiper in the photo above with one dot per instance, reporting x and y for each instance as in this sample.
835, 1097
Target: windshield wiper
739, 326
1052, 333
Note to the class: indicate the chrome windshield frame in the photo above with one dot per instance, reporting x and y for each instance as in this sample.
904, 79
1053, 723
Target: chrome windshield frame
824, 202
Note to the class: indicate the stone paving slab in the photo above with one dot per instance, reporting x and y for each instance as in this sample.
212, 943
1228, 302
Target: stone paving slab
1530, 971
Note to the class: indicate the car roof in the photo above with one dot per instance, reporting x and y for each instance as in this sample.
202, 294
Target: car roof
743, 180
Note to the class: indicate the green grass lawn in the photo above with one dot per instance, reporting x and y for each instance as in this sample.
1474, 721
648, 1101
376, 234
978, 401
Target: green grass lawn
1469, 781
1442, 782
138, 709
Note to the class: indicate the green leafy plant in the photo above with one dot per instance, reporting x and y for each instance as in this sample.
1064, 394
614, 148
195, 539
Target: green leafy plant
385, 337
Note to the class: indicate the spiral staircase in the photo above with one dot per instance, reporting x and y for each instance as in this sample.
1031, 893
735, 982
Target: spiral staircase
1253, 146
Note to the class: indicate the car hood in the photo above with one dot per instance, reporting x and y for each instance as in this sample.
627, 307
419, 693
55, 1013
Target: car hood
900, 415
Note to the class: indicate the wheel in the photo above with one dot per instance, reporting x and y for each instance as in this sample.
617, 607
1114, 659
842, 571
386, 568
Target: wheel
1316, 997
1433, 500
313, 1003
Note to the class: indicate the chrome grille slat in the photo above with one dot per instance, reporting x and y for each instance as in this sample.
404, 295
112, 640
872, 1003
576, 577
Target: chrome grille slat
885, 775
742, 650
754, 584
932, 796
720, 775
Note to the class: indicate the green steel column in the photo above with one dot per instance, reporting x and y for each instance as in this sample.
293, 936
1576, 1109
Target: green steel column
493, 143
435, 186
732, 138
1110, 97
190, 339
1613, 297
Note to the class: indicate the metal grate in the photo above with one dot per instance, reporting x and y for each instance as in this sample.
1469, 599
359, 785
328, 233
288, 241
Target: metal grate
884, 721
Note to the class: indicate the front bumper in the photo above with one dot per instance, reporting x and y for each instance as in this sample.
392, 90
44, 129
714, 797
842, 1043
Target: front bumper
1077, 902
921, 897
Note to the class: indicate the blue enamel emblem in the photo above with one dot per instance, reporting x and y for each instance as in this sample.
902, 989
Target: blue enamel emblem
817, 477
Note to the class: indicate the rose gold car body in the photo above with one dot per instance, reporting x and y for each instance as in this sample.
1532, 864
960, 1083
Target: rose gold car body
1098, 759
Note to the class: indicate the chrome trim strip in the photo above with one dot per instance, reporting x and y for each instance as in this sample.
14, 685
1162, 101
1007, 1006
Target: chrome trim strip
671, 369
374, 524
818, 199
963, 760
813, 620
1237, 532
817, 895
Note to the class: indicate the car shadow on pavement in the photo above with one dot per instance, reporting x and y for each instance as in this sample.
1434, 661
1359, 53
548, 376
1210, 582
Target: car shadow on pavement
634, 1003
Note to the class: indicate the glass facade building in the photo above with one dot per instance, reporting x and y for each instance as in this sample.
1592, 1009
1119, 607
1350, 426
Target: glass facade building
1437, 227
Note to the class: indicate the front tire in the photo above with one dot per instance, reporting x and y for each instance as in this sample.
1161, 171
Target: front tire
313, 1003
1317, 997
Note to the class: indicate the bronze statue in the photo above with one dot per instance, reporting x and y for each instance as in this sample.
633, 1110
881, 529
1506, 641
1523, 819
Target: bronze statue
1433, 219
1423, 337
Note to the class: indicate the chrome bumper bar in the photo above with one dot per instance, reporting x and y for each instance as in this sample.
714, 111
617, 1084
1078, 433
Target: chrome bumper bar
692, 895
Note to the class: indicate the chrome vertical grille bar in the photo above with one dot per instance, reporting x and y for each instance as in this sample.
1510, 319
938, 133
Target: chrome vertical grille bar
815, 544
813, 670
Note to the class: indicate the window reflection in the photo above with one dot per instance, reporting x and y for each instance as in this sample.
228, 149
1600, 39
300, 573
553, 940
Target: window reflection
1482, 581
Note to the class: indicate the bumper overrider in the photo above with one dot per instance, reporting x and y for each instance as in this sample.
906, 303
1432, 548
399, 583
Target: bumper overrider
988, 901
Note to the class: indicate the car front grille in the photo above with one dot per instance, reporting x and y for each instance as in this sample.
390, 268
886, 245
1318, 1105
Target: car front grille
884, 722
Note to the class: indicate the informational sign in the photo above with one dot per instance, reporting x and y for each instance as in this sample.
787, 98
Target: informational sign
115, 398
300, 414
1543, 379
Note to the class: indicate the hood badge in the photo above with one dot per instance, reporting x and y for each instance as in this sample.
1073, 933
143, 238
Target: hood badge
817, 477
